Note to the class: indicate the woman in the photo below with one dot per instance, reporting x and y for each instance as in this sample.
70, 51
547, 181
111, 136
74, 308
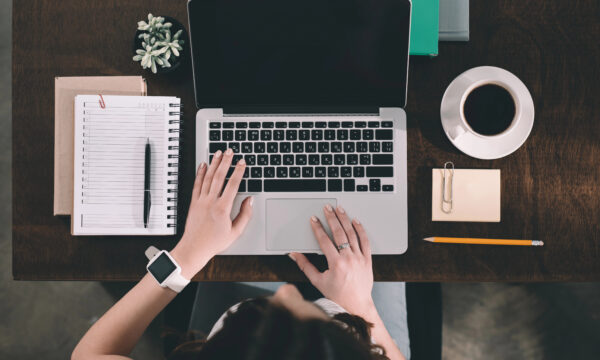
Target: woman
284, 326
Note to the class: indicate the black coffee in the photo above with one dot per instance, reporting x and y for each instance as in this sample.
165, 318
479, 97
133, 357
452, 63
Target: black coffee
489, 109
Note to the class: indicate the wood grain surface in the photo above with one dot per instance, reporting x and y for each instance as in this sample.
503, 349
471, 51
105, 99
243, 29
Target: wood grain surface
550, 186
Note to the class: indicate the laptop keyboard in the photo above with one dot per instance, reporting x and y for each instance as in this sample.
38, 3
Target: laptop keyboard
289, 156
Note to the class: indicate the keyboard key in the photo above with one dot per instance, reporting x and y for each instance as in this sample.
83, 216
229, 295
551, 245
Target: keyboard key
383, 159
272, 147
235, 146
294, 125
329, 134
295, 185
316, 135
229, 172
380, 171
281, 125
255, 125
320, 124
307, 172
300, 159
374, 146
334, 185
334, 124
310, 147
268, 125
275, 159
373, 124
384, 134
288, 159
362, 188
388, 187
250, 160
228, 125
304, 134
263, 159
342, 134
236, 158
282, 172
323, 147
241, 125
349, 184
367, 134
387, 124
265, 135
269, 172
352, 159
333, 171
227, 135
349, 147
285, 147
387, 146
347, 124
359, 171
242, 187
278, 135
291, 134
246, 147
375, 185
326, 159
254, 186
346, 171
294, 172
253, 135
214, 135
298, 147
362, 146
354, 134
246, 172
336, 147
307, 124
339, 159
320, 171
214, 125
314, 159
259, 147
365, 159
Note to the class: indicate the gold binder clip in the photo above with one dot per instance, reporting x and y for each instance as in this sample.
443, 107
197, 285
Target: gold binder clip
447, 201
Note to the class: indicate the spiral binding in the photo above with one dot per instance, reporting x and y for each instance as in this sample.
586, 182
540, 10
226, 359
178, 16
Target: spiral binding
175, 124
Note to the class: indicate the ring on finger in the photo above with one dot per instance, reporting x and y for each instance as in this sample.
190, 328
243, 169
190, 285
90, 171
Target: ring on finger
343, 246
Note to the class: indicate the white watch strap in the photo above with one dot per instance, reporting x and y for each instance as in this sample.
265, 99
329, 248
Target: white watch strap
150, 252
177, 282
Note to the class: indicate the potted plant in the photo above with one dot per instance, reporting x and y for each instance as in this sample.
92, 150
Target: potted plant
158, 44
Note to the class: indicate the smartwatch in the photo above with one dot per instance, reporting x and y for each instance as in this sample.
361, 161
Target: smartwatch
165, 269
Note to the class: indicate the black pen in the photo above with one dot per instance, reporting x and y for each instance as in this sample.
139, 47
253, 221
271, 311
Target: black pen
147, 197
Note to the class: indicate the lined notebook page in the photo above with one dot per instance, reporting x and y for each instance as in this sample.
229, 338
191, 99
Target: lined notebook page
109, 164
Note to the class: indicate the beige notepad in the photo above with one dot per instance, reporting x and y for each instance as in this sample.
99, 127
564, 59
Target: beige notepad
65, 90
475, 195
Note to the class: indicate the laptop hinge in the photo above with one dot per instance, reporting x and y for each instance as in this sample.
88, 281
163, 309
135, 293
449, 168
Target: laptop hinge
301, 110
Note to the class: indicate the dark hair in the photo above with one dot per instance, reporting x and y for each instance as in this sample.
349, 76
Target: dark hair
261, 330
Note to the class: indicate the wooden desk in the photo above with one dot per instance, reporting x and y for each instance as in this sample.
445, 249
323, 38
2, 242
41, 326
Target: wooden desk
550, 187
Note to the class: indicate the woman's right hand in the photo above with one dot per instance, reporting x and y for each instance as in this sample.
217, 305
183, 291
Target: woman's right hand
349, 279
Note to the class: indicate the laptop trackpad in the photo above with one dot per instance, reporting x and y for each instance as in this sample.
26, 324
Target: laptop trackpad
288, 223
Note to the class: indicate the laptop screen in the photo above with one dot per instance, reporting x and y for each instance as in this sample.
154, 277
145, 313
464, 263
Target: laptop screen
302, 53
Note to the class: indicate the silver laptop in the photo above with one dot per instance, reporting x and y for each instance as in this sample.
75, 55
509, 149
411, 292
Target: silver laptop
310, 94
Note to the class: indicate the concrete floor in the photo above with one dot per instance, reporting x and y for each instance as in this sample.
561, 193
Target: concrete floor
481, 321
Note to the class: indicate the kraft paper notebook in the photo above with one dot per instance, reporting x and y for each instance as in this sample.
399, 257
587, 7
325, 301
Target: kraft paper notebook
65, 90
111, 133
475, 195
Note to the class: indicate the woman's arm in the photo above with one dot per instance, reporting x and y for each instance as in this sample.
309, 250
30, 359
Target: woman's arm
208, 231
349, 279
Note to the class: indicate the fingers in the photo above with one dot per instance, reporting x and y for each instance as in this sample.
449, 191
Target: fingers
365, 244
234, 182
210, 173
218, 179
199, 180
325, 243
241, 220
348, 229
339, 235
306, 267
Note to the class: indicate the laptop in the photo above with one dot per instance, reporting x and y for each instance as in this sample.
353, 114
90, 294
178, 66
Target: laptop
311, 94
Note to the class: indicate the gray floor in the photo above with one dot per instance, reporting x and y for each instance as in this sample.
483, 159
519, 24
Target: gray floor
481, 321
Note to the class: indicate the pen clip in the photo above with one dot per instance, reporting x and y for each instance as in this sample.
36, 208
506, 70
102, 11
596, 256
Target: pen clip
447, 201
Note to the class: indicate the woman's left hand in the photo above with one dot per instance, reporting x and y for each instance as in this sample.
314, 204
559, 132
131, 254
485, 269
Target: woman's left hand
209, 228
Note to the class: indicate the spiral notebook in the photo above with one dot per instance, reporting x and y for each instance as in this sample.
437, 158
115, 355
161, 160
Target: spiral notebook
110, 138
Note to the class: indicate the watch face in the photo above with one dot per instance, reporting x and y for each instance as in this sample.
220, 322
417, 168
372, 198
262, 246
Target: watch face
162, 267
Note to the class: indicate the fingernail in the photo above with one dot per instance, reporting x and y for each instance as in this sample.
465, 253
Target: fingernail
251, 201
328, 207
291, 257
356, 221
228, 152
202, 166
341, 209
242, 162
314, 218
218, 153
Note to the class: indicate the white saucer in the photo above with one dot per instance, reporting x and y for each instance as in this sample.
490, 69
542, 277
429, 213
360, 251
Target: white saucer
481, 146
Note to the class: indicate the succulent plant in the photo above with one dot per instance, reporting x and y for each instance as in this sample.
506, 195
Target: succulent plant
157, 43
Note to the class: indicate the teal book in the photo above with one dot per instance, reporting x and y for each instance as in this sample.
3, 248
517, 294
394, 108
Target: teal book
424, 27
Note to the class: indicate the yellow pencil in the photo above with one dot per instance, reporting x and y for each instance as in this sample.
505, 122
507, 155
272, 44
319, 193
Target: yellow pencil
452, 240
